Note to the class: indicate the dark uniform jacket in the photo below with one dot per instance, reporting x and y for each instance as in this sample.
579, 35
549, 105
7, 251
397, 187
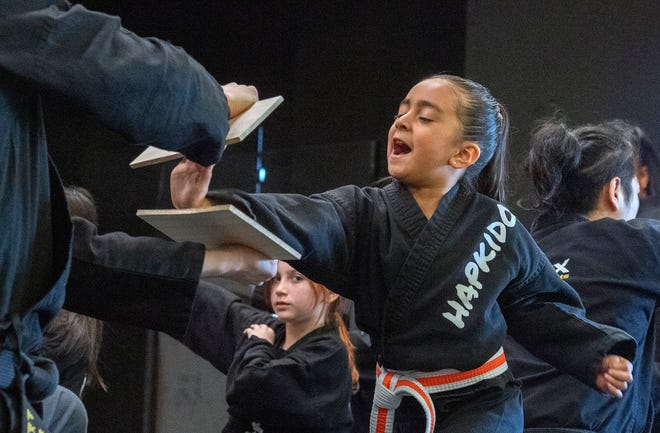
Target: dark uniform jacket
615, 267
306, 388
649, 207
437, 293
148, 90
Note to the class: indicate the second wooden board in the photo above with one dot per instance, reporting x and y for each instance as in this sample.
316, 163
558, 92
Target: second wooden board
239, 128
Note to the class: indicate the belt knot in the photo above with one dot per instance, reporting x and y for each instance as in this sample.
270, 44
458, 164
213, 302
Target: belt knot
391, 386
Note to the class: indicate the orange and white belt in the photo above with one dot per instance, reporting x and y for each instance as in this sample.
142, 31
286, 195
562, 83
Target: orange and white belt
391, 386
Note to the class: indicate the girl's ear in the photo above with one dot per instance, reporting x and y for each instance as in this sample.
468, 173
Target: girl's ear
467, 155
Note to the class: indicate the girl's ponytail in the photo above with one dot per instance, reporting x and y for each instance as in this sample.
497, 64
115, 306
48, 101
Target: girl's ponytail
486, 122
492, 180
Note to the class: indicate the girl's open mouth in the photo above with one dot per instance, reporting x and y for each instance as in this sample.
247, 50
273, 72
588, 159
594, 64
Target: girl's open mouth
399, 147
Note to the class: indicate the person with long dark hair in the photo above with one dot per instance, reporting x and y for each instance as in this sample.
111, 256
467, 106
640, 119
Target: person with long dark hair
74, 340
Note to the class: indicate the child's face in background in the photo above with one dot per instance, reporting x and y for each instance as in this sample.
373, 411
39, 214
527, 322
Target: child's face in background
293, 298
425, 134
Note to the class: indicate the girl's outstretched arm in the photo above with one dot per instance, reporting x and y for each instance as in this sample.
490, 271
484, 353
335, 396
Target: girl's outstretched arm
615, 375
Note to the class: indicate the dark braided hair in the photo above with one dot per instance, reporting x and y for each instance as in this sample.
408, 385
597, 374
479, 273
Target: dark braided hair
569, 167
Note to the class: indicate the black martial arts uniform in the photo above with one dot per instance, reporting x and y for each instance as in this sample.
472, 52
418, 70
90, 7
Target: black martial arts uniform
306, 388
439, 294
146, 89
153, 283
615, 267
649, 207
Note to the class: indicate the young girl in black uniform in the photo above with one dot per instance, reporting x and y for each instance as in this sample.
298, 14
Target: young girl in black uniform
438, 269
586, 189
293, 374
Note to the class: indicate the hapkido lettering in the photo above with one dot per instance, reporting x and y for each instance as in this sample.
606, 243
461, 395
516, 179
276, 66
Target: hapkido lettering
495, 236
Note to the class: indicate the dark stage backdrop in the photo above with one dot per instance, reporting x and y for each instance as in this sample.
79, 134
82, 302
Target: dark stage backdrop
342, 68
594, 60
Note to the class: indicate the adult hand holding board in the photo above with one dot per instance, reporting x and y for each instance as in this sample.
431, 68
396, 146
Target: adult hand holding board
240, 126
239, 97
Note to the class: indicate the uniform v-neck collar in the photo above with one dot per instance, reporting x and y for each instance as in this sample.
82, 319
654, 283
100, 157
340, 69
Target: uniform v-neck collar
408, 212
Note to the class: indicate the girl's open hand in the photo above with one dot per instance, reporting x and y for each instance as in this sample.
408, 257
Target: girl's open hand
189, 183
615, 375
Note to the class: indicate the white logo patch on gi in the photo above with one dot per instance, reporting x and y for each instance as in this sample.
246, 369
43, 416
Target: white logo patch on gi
562, 270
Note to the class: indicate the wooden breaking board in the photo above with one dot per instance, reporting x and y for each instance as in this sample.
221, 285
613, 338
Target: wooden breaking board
239, 128
218, 225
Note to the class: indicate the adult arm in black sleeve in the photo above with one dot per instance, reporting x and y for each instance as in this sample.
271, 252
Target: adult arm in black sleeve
146, 89
142, 281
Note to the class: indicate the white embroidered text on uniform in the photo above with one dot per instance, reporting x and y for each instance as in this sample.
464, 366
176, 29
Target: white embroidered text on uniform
466, 293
